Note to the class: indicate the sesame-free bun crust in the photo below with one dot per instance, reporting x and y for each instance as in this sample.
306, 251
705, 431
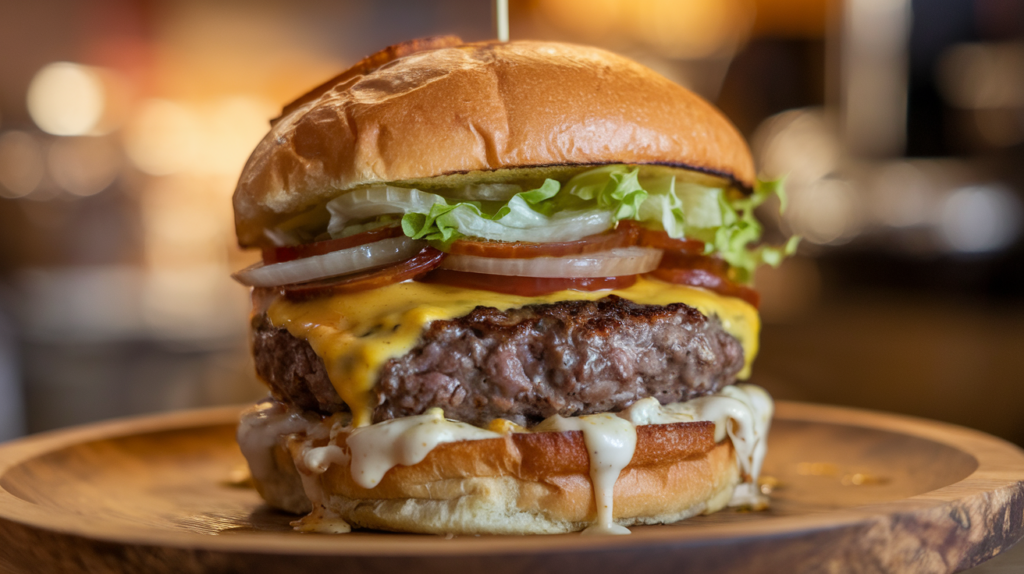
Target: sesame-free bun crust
535, 483
439, 108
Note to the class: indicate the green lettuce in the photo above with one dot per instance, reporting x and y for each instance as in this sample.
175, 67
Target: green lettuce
740, 228
595, 200
534, 216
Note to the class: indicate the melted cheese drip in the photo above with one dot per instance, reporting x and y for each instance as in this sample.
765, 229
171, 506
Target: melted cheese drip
356, 334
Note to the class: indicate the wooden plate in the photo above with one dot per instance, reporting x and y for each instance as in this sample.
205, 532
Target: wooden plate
856, 491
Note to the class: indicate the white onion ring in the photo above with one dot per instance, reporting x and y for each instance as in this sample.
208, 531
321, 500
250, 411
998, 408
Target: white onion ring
376, 201
611, 263
341, 262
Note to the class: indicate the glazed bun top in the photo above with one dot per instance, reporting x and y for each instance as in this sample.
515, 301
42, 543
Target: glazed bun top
438, 107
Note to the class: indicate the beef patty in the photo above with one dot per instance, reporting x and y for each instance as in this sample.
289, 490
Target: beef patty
567, 358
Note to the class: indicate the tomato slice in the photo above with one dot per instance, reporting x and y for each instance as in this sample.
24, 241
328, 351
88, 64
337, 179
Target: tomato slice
659, 239
525, 286
427, 259
677, 260
623, 236
291, 252
702, 271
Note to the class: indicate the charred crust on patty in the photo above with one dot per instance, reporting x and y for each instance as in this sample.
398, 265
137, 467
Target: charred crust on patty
568, 358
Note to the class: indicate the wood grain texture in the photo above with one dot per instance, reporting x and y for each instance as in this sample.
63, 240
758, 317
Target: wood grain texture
856, 491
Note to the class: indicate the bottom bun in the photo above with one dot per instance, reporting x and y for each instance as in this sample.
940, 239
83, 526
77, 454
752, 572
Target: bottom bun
521, 483
512, 505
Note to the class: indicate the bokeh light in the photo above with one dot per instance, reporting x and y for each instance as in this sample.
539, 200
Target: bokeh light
979, 76
163, 138
900, 195
66, 99
211, 138
981, 218
232, 128
799, 145
84, 166
826, 211
21, 164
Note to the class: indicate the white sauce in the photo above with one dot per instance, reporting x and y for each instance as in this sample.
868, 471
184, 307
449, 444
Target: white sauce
741, 412
378, 448
321, 519
610, 442
260, 427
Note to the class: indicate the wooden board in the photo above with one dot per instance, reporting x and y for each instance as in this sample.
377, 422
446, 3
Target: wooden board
856, 491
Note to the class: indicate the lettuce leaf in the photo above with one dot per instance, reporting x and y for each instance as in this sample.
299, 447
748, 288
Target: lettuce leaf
736, 228
528, 202
614, 188
589, 203
528, 216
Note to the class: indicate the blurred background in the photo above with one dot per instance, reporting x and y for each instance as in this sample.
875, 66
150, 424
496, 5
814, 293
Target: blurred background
900, 124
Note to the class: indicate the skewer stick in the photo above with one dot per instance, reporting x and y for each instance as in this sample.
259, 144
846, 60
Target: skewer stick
501, 19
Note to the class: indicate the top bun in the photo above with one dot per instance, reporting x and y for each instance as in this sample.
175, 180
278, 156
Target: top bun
438, 107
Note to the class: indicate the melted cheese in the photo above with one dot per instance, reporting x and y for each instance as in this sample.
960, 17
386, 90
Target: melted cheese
356, 334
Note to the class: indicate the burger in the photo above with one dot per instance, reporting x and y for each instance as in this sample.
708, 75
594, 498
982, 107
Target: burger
505, 289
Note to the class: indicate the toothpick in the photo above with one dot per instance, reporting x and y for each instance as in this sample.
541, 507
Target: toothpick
501, 19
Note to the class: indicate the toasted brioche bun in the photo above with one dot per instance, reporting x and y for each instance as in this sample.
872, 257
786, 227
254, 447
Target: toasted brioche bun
488, 110
518, 484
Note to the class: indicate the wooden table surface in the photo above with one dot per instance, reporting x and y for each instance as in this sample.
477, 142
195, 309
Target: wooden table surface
856, 491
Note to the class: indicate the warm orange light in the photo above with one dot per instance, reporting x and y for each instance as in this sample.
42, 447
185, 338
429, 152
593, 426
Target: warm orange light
688, 29
163, 138
211, 138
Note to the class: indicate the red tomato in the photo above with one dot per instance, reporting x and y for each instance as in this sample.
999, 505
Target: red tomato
660, 240
702, 271
427, 259
525, 286
677, 260
279, 254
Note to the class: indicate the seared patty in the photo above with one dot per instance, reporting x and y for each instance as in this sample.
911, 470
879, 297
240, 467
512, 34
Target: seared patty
568, 358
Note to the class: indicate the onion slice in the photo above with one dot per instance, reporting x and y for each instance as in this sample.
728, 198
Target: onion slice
292, 252
341, 262
370, 202
611, 263
428, 258
623, 236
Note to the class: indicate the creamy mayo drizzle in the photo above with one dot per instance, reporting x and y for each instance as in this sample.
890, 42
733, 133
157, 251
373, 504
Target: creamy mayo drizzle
260, 427
378, 448
610, 442
320, 519
741, 412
